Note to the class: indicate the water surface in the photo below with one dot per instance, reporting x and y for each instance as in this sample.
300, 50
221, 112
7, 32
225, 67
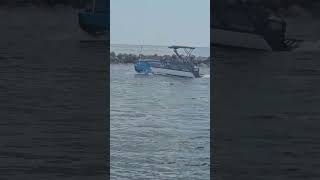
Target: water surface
266, 114
159, 126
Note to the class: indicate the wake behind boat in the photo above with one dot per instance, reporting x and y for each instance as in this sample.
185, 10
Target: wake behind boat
178, 65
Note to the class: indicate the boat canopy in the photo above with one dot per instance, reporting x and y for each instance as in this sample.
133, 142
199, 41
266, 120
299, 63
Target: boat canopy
187, 49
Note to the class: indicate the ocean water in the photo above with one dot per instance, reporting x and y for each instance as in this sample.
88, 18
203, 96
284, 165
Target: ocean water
160, 126
266, 114
151, 50
53, 97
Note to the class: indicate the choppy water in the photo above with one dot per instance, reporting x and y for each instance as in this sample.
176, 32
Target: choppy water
266, 114
160, 126
151, 50
53, 97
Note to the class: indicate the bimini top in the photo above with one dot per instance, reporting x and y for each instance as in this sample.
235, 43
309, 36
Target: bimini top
178, 47
188, 50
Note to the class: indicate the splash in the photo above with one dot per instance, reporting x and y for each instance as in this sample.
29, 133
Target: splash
206, 76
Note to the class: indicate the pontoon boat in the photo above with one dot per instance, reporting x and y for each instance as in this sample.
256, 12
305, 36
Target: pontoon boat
183, 66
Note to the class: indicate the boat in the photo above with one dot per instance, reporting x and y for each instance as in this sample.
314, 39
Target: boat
250, 26
94, 19
183, 66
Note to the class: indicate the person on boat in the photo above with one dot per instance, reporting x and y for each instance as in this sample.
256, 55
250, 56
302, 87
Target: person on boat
192, 58
174, 58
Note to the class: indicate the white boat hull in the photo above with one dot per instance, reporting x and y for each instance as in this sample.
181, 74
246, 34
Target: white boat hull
239, 39
172, 72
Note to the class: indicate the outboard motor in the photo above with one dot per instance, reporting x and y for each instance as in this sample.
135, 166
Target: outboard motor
268, 25
274, 33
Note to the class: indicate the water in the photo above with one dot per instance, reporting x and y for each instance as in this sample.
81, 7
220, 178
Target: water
160, 126
266, 113
53, 97
151, 50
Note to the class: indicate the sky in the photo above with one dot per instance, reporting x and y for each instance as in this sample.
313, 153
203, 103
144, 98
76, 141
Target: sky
160, 22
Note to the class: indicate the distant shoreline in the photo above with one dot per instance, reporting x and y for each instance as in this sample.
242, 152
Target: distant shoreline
124, 58
119, 44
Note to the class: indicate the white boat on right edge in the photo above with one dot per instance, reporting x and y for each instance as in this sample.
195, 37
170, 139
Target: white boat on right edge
244, 25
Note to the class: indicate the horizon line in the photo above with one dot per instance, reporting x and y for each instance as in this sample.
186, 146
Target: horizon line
154, 45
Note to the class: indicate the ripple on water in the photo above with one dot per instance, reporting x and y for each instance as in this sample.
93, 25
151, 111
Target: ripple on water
159, 126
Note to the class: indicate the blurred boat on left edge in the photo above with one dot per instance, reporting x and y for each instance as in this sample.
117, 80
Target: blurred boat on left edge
93, 20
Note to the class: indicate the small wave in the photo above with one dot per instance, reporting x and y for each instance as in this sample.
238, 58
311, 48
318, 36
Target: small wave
142, 75
309, 46
206, 76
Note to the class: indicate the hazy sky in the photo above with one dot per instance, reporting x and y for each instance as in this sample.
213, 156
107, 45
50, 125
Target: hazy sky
160, 22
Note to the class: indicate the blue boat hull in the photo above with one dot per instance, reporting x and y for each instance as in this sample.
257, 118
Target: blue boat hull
143, 67
93, 23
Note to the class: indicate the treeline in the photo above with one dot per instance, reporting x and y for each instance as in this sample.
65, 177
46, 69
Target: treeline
73, 3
